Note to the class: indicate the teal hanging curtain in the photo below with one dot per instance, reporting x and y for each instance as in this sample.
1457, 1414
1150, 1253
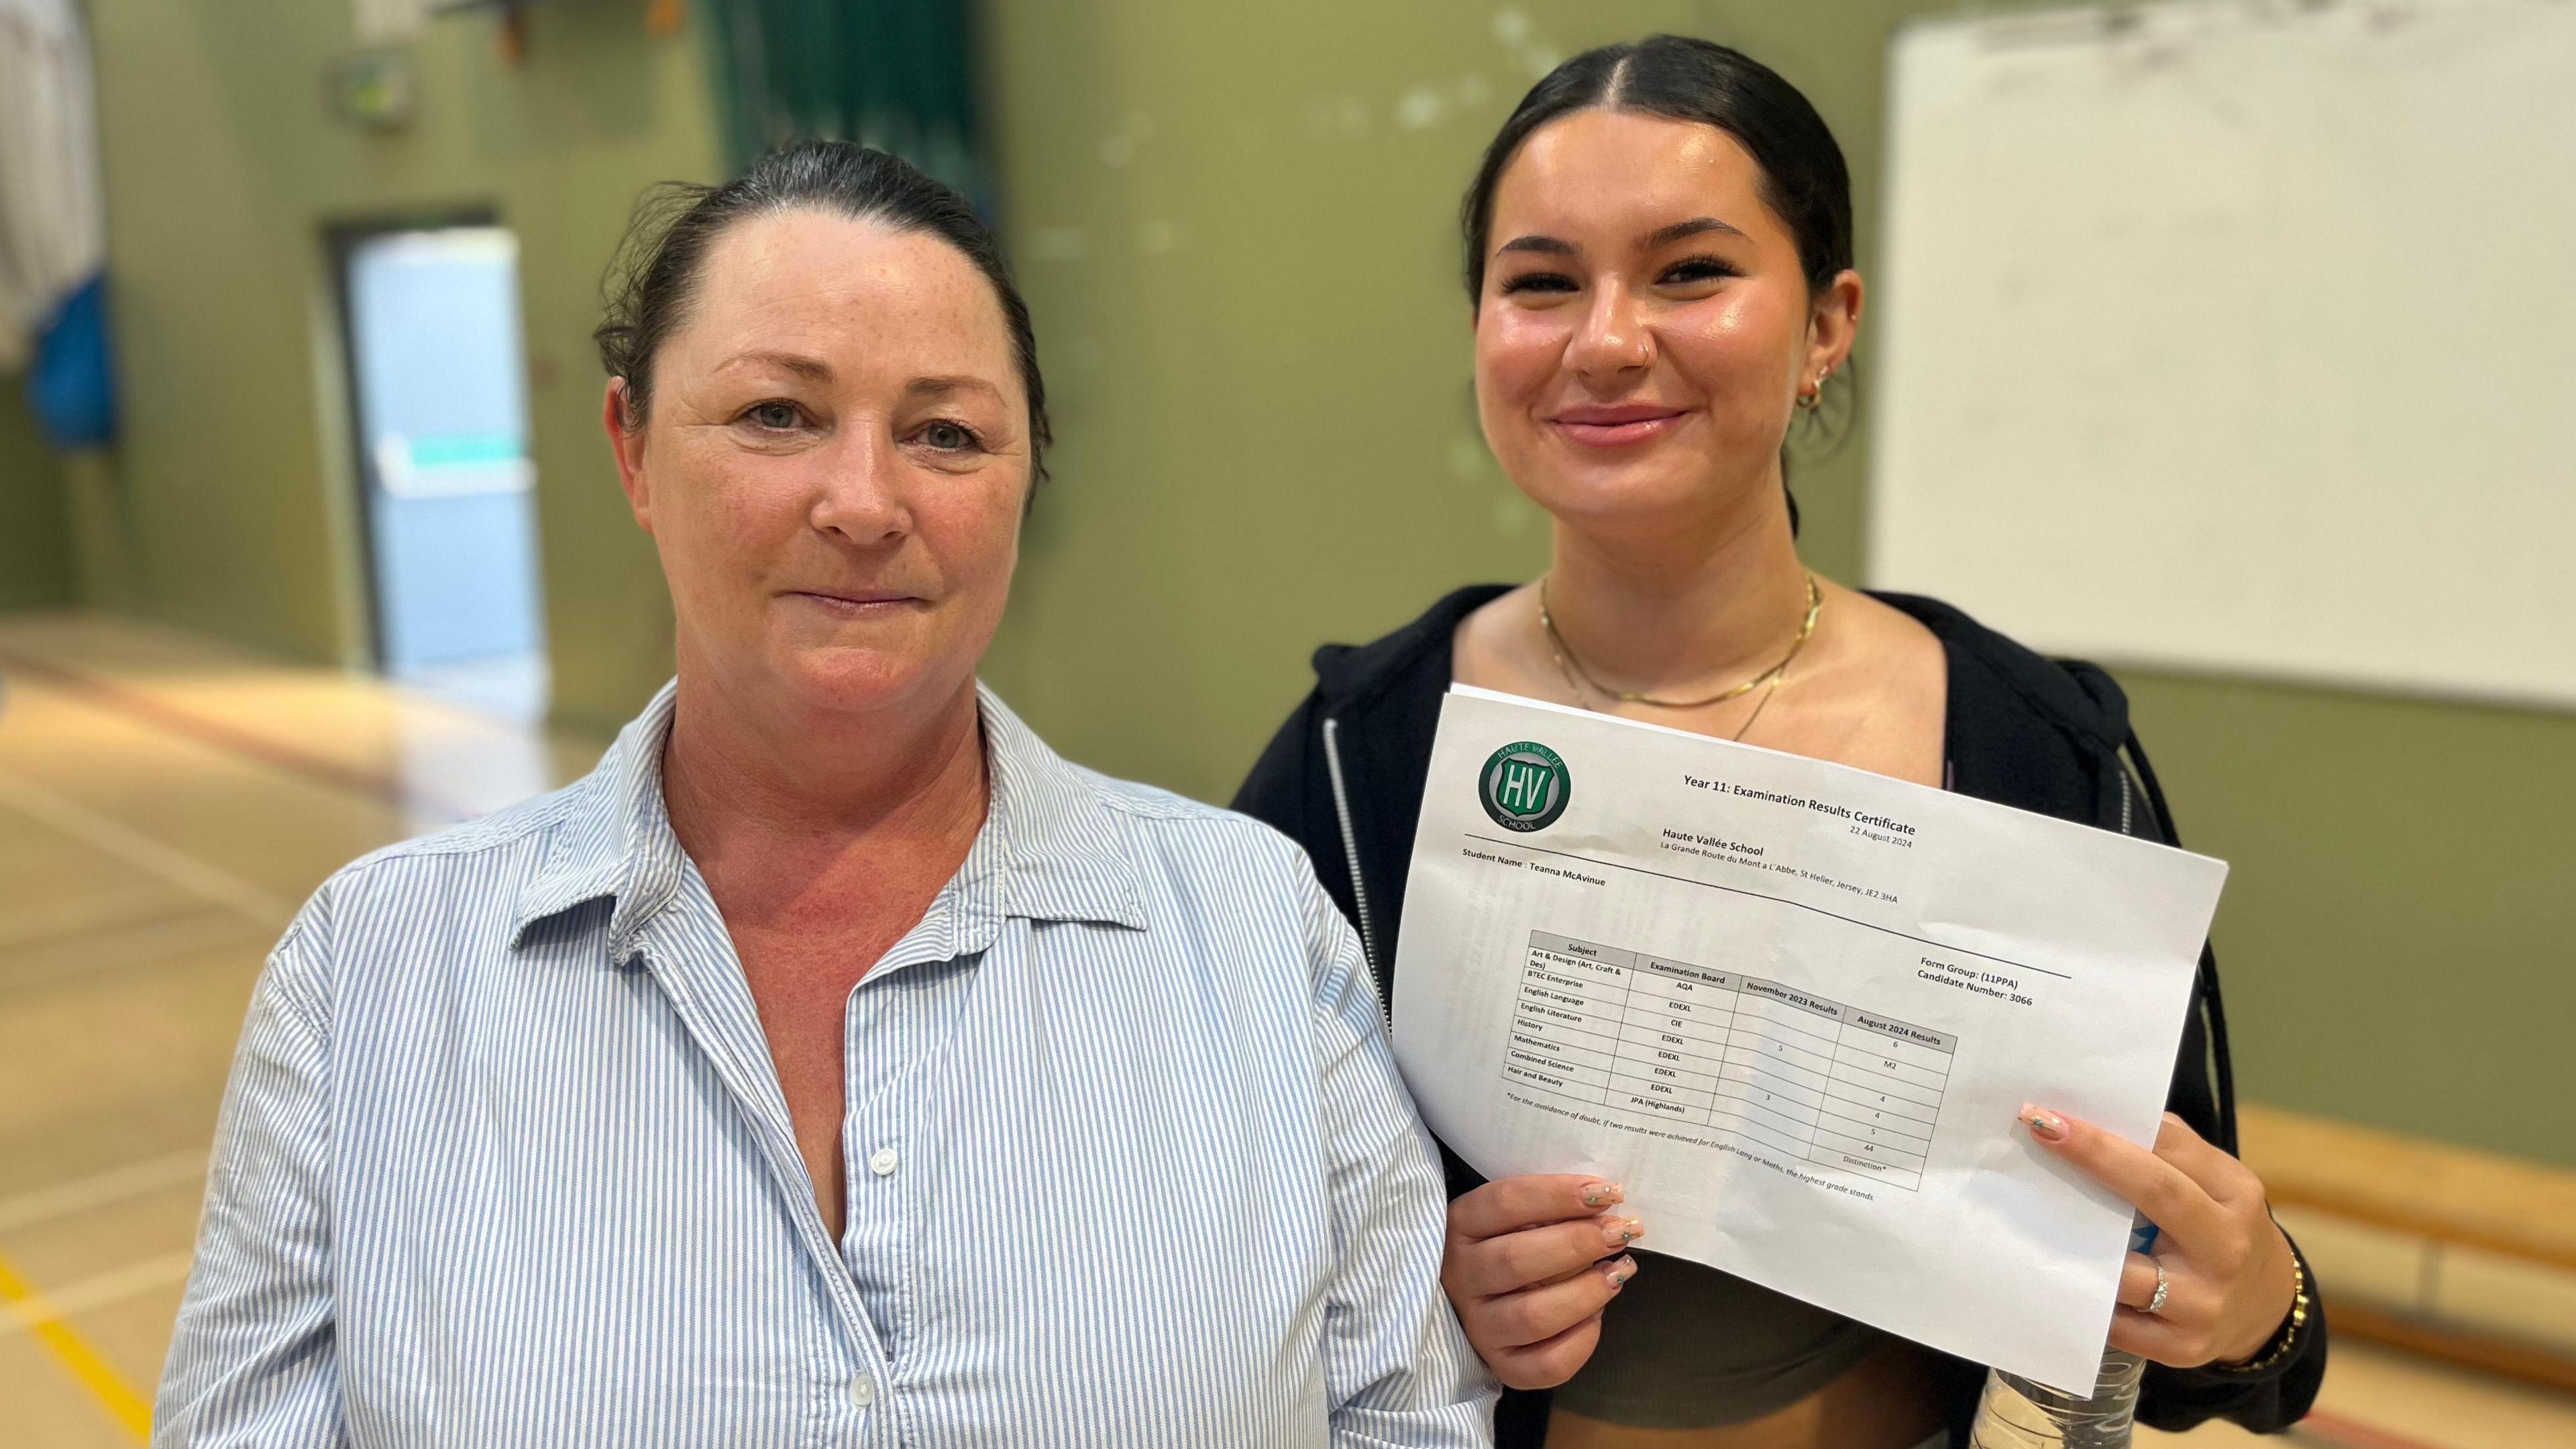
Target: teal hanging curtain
895, 74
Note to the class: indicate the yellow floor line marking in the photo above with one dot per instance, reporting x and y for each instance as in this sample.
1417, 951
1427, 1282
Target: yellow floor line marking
120, 1400
117, 1285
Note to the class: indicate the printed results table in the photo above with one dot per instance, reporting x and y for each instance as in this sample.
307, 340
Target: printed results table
1649, 1038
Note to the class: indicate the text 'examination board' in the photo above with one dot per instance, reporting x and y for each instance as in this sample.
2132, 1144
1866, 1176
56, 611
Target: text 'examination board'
2240, 336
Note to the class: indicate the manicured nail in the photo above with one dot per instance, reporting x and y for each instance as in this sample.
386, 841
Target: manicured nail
1620, 1232
2043, 1123
1603, 1194
1621, 1272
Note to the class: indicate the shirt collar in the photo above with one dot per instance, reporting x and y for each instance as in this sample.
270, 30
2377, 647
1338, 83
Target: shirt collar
1061, 852
1051, 849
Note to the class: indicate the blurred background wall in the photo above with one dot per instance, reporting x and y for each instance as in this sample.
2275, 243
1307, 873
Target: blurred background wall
227, 505
35, 537
1236, 227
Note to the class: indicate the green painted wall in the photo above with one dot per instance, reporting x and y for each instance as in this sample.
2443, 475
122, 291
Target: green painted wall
35, 536
2397, 927
1235, 224
229, 499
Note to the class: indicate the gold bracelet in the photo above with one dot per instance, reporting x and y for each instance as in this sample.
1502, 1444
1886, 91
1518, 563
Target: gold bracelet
2287, 1339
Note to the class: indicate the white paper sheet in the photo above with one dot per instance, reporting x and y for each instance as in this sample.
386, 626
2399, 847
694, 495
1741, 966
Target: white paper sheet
1793, 1007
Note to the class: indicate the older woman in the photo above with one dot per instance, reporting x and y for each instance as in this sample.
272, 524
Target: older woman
835, 1064
1659, 267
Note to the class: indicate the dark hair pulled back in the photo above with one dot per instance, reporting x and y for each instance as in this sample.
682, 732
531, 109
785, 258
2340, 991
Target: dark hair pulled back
654, 280
1804, 178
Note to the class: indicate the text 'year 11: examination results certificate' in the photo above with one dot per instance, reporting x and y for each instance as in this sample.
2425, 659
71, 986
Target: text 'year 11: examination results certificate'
1793, 1007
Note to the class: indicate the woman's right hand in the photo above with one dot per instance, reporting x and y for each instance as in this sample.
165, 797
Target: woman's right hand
1531, 1262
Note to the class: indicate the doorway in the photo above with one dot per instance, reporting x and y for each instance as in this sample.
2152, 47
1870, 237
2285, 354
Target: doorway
438, 387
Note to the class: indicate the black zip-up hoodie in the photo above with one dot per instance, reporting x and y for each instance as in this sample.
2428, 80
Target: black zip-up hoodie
1344, 777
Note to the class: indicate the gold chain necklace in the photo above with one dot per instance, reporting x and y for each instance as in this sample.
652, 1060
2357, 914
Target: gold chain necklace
1578, 678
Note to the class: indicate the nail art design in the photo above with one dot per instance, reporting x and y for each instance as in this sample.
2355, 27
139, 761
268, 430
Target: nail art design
1620, 1232
1603, 1194
2044, 1122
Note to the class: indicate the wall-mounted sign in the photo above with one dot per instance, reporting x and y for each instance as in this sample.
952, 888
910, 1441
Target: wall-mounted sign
372, 89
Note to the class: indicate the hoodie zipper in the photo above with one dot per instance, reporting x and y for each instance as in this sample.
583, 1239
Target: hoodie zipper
1351, 852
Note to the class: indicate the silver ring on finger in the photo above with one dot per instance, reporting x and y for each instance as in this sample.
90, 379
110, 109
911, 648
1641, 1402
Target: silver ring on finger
2164, 1286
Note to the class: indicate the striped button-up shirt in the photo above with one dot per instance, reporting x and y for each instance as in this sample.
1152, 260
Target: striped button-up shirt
504, 1160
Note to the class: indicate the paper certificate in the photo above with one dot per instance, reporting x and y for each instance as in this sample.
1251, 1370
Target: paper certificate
1793, 1007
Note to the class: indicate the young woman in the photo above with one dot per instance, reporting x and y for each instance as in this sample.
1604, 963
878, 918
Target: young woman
1659, 258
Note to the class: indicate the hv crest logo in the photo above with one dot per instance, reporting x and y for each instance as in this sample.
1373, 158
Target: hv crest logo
1524, 786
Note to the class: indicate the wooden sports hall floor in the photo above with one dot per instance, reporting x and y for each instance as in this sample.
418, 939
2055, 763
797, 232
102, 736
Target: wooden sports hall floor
165, 804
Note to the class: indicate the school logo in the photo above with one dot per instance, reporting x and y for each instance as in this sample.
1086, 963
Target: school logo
1524, 786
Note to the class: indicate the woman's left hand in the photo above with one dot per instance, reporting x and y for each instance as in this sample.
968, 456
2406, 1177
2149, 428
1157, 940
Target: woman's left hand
2228, 1270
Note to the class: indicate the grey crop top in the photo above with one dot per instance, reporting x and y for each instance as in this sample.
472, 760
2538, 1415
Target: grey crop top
1688, 1347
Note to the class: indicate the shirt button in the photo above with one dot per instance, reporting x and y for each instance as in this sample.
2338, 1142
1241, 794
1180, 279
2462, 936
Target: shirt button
881, 1162
862, 1392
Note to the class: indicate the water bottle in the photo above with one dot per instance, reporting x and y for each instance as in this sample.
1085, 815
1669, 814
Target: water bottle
2018, 1414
